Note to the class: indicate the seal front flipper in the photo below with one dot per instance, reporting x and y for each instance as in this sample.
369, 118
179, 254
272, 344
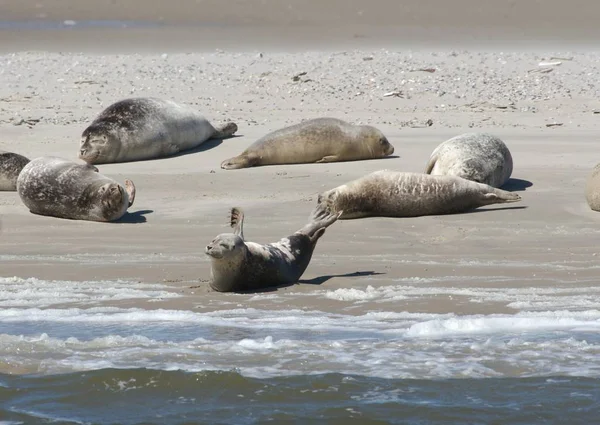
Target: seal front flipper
130, 189
329, 158
237, 222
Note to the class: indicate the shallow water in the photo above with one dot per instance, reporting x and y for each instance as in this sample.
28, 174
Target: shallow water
78, 352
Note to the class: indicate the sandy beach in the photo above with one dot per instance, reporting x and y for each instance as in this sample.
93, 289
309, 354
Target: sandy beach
52, 89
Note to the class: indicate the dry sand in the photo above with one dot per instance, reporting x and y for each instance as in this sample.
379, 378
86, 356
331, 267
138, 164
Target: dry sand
50, 93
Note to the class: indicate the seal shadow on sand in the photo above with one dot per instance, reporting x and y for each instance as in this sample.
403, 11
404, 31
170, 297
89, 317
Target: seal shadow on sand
516, 185
315, 281
209, 144
136, 217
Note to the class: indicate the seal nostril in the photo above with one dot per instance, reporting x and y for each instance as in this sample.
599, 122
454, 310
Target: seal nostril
82, 152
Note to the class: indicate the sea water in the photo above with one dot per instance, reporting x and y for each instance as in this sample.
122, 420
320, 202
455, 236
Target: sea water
70, 355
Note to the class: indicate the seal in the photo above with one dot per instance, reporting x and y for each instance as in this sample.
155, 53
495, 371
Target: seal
146, 128
401, 194
479, 157
56, 187
592, 189
237, 265
317, 140
11, 165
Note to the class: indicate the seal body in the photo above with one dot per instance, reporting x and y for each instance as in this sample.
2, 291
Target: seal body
237, 265
146, 128
398, 194
479, 157
11, 165
316, 140
56, 187
592, 189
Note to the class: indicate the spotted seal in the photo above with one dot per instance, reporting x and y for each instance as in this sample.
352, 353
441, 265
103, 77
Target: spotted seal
56, 187
316, 140
237, 265
401, 194
11, 165
479, 157
146, 128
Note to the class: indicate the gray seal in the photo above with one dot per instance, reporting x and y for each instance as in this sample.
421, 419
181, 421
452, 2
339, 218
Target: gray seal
146, 128
316, 140
592, 189
479, 157
400, 194
237, 265
56, 187
11, 165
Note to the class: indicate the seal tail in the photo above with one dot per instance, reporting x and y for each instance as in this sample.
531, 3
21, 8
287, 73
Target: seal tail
499, 196
431, 164
226, 130
237, 221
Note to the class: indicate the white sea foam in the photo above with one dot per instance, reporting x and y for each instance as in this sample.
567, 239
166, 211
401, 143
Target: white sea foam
17, 292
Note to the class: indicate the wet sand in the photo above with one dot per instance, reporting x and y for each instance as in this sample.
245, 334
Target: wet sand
548, 239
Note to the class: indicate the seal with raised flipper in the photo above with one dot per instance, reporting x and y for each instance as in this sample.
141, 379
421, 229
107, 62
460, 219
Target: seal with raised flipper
315, 140
479, 157
237, 265
60, 188
146, 128
11, 165
387, 193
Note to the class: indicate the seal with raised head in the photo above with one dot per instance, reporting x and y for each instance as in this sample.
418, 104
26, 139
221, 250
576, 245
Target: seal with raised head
56, 187
592, 189
401, 194
146, 128
479, 157
11, 165
237, 265
315, 140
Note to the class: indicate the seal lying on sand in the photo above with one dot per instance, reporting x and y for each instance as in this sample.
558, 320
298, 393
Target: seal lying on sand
60, 188
395, 194
479, 157
11, 165
237, 265
146, 128
316, 140
592, 189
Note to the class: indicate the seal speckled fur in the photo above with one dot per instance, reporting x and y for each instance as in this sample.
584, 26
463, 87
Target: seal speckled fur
479, 157
56, 187
11, 165
146, 128
316, 140
237, 265
592, 189
399, 194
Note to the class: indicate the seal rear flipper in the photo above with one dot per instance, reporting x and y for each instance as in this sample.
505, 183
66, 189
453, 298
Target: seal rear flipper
237, 221
431, 164
225, 130
130, 188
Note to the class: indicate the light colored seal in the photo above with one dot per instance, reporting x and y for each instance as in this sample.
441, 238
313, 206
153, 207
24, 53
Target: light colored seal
479, 157
60, 188
11, 165
396, 194
146, 128
316, 140
237, 265
592, 189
